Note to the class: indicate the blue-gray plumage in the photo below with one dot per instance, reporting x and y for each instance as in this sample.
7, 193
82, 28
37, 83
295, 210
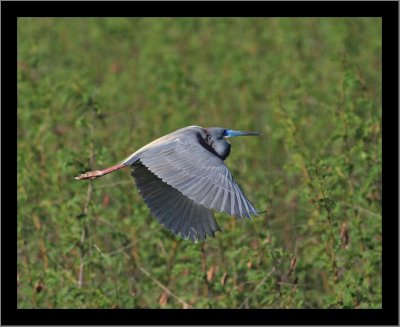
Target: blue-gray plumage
182, 176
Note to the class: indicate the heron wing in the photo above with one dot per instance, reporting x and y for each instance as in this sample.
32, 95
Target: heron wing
197, 173
173, 209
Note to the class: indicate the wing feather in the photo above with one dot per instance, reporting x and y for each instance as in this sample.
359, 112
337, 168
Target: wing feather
177, 216
216, 197
224, 200
233, 202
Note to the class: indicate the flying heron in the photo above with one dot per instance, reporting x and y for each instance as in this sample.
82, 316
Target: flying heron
182, 176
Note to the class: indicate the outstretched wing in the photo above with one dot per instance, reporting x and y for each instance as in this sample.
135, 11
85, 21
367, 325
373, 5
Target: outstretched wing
173, 210
183, 163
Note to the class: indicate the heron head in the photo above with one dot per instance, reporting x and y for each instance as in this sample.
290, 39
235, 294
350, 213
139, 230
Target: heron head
216, 137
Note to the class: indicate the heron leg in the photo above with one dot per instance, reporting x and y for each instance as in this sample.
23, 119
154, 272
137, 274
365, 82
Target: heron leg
98, 173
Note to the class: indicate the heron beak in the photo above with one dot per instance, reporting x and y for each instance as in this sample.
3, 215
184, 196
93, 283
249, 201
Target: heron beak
232, 133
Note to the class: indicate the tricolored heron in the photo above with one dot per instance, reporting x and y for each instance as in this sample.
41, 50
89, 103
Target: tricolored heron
182, 177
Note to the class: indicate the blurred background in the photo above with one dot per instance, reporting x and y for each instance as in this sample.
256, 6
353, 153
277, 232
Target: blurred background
93, 91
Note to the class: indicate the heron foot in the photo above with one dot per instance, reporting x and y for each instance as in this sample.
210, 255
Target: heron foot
90, 175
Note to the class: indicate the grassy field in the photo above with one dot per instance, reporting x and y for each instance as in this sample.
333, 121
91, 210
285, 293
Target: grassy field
92, 91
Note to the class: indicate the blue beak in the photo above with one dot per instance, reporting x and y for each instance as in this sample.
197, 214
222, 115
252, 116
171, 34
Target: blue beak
232, 133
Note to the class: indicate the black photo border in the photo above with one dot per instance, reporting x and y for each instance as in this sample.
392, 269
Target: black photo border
388, 315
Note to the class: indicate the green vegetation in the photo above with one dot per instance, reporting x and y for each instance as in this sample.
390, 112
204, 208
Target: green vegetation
92, 91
